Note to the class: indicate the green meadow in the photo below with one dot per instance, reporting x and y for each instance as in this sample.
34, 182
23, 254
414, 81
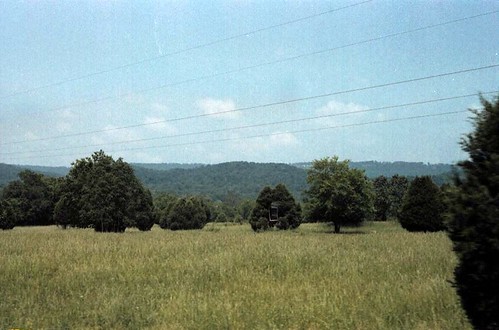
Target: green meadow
227, 277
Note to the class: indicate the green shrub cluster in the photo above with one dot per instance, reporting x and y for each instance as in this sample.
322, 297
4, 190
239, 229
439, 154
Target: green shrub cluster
184, 213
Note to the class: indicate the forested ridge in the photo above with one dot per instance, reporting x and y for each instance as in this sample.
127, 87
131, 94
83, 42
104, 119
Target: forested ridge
243, 178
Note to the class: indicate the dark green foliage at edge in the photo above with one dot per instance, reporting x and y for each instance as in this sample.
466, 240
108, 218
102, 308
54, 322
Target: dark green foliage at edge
474, 220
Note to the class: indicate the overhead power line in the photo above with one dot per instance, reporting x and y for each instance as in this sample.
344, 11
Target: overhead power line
294, 132
266, 105
258, 65
251, 126
184, 50
301, 131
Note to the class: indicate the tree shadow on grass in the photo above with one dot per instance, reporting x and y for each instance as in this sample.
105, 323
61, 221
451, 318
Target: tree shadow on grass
347, 232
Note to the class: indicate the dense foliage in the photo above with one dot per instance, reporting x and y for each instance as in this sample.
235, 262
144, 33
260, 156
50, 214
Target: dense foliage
185, 213
474, 220
9, 213
338, 194
423, 206
104, 194
289, 212
31, 198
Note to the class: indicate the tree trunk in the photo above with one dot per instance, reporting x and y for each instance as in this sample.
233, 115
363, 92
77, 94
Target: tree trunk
336, 228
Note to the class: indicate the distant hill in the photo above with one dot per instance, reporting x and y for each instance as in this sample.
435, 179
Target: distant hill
10, 173
166, 166
242, 178
374, 169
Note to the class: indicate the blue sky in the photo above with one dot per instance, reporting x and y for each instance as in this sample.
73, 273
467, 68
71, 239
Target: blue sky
176, 72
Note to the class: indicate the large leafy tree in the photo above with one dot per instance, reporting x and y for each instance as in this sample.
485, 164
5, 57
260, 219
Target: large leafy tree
104, 194
338, 194
32, 198
289, 212
474, 220
423, 206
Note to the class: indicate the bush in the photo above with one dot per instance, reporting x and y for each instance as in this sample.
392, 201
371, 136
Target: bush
423, 207
187, 213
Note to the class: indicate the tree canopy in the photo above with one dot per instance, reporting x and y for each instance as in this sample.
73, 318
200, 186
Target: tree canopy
104, 194
338, 194
31, 198
474, 219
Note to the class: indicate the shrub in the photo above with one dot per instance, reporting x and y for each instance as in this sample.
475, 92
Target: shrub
187, 213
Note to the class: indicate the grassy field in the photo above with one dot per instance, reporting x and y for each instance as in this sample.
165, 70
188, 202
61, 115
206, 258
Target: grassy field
225, 276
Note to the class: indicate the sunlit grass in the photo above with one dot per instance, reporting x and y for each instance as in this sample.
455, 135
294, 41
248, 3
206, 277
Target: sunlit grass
225, 276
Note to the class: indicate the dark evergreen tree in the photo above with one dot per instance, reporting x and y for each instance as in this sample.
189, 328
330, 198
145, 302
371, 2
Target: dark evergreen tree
474, 220
289, 212
104, 194
423, 206
259, 219
381, 198
338, 194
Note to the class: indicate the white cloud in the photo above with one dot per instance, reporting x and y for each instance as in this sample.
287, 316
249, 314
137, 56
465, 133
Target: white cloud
282, 140
218, 108
256, 147
158, 124
334, 108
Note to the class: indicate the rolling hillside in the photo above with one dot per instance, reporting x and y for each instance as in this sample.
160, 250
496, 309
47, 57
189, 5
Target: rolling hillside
243, 178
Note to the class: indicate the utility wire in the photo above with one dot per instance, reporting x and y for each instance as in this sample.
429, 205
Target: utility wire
301, 131
259, 65
252, 126
294, 132
266, 105
183, 50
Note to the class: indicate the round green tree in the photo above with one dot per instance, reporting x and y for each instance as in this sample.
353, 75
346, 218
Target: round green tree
104, 194
423, 207
338, 194
474, 220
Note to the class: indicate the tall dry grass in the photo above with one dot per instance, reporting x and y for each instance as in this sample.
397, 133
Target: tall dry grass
375, 277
